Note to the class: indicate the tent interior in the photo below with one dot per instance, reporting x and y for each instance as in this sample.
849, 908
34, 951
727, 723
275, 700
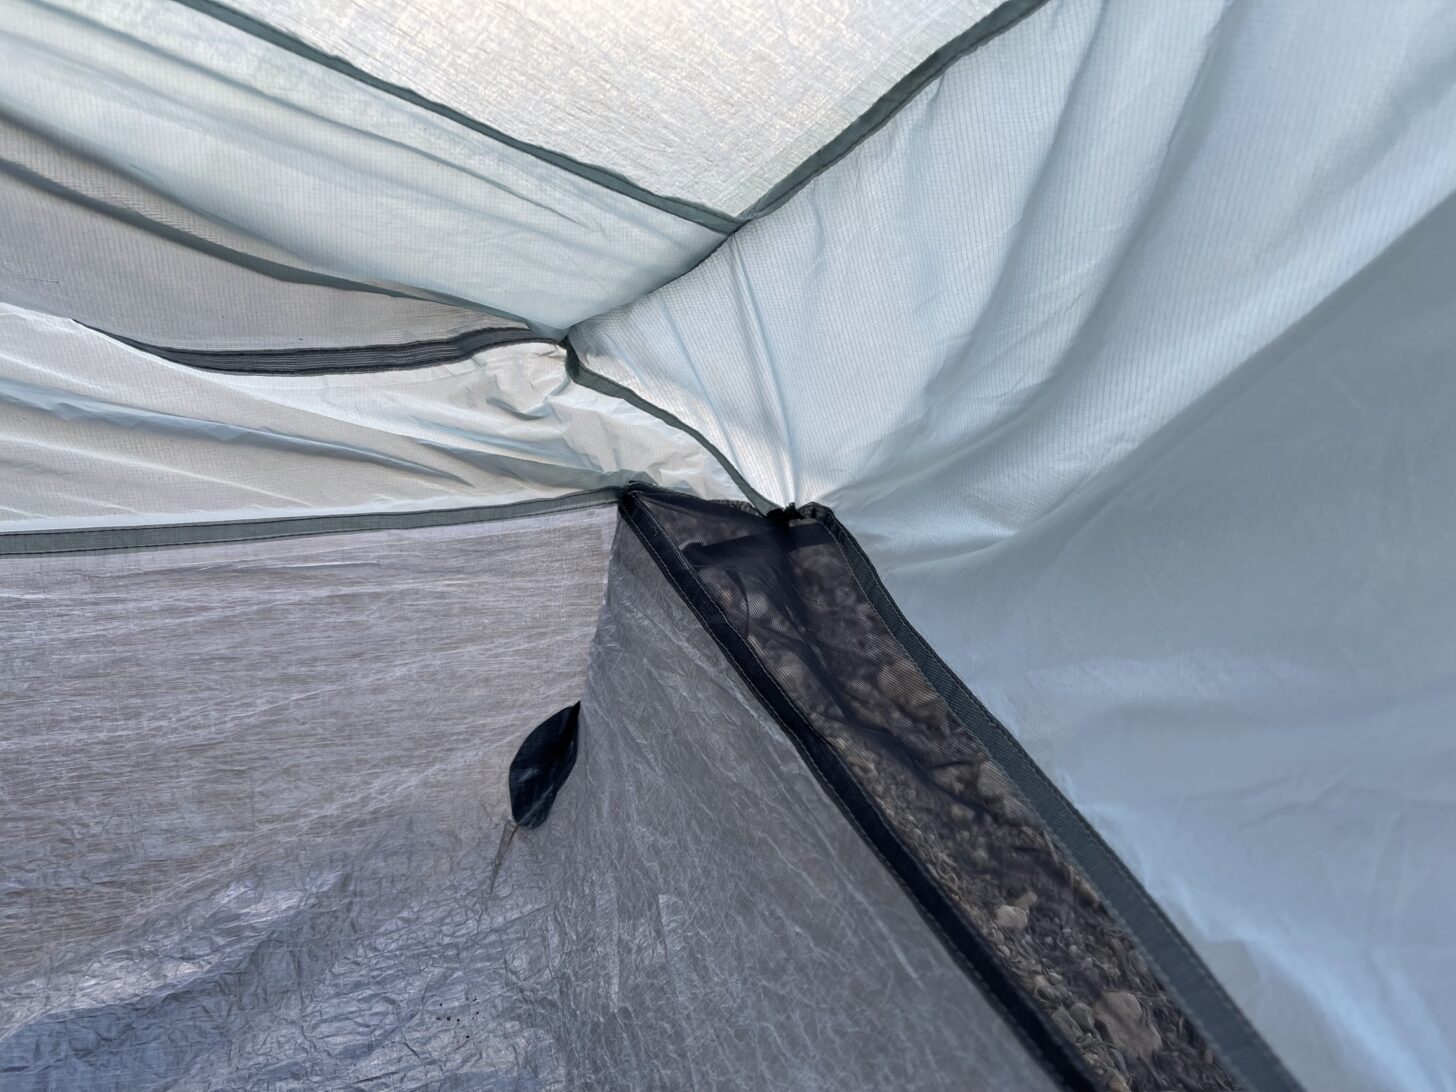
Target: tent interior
656, 544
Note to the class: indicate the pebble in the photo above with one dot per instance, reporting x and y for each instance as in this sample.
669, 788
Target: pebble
962, 815
1015, 811
1065, 1025
1011, 918
954, 778
1137, 962
1082, 1013
1120, 1016
991, 783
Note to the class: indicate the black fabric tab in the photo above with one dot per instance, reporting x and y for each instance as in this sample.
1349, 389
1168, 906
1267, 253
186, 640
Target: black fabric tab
542, 765
980, 848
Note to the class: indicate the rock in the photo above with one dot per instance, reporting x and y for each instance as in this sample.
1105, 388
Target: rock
962, 815
1120, 1016
1063, 1020
1115, 1083
1082, 1013
991, 783
1026, 901
1119, 1061
1043, 988
1137, 962
1011, 918
1015, 811
955, 778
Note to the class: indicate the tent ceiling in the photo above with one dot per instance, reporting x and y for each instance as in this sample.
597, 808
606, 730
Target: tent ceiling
348, 179
713, 103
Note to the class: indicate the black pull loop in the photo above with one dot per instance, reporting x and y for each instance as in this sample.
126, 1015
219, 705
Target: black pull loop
542, 765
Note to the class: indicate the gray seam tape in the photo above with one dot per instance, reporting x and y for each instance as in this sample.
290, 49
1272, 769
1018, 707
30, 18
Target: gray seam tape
340, 359
102, 539
578, 372
698, 214
269, 268
890, 103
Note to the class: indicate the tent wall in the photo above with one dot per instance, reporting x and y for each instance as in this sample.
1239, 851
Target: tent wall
97, 433
1122, 347
1123, 350
298, 869
356, 182
83, 241
718, 922
252, 816
1037, 911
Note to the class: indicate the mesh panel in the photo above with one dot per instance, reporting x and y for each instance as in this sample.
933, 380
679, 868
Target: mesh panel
355, 182
980, 860
264, 840
85, 242
253, 796
1124, 350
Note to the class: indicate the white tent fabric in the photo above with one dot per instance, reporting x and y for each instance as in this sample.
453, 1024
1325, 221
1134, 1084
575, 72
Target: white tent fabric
709, 102
261, 790
1132, 377
94, 432
1122, 343
351, 909
86, 242
354, 181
